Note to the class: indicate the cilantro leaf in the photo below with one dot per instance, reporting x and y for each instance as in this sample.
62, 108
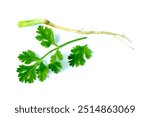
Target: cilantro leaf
42, 71
55, 66
56, 56
87, 52
78, 55
28, 57
46, 36
27, 74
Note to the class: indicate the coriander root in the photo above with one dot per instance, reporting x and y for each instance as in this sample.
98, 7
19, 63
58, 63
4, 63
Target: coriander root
32, 22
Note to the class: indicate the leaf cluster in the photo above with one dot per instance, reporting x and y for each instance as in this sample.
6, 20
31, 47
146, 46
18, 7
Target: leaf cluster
33, 67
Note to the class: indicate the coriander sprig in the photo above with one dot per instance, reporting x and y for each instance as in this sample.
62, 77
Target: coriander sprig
34, 67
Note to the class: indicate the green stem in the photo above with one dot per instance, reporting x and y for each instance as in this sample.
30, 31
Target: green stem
32, 22
64, 44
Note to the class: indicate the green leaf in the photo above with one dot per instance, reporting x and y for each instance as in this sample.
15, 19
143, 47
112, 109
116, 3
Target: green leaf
78, 55
56, 66
28, 57
46, 36
42, 71
87, 52
56, 56
26, 73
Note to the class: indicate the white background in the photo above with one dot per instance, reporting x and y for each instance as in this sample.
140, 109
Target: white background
115, 75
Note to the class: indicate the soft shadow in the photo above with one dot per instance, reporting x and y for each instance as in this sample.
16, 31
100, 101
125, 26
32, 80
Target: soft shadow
64, 62
57, 38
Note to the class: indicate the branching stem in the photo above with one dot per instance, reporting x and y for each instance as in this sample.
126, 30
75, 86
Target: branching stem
64, 44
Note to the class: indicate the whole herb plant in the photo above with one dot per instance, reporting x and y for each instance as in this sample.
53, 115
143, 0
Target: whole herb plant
34, 67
